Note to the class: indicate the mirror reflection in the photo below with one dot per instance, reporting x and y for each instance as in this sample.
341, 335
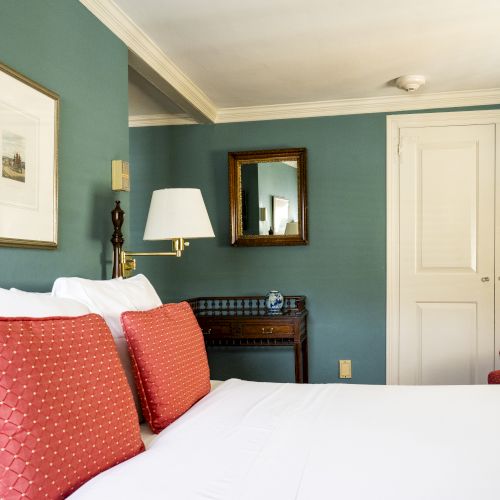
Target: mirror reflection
269, 198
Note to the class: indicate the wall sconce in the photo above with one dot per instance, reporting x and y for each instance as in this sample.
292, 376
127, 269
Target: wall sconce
174, 214
120, 175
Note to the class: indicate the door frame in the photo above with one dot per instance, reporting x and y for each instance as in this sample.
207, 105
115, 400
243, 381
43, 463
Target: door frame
394, 124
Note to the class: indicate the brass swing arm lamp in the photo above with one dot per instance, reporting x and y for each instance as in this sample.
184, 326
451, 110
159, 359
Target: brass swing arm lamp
128, 264
173, 211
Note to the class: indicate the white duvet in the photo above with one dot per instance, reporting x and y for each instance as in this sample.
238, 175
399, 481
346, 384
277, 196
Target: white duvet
259, 441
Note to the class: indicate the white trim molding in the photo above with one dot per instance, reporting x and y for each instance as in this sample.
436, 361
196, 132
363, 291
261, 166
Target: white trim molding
340, 107
159, 120
394, 124
366, 105
386, 104
143, 47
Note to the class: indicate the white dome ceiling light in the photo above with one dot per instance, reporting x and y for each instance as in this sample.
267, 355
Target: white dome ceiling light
410, 83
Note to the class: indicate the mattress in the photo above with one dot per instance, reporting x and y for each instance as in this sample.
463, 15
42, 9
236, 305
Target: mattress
250, 440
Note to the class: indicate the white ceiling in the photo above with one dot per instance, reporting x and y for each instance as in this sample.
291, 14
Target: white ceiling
246, 53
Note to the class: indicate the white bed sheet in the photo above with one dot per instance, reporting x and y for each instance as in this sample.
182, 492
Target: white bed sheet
259, 441
148, 436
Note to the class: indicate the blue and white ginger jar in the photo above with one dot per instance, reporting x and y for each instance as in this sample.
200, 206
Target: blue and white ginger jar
274, 301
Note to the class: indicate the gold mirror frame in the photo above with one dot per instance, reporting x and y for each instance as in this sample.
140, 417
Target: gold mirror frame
236, 159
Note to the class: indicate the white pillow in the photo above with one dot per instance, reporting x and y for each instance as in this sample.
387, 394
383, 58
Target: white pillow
122, 349
110, 298
16, 303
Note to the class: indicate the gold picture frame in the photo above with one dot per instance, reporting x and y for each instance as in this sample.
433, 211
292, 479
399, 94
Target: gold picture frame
238, 203
29, 130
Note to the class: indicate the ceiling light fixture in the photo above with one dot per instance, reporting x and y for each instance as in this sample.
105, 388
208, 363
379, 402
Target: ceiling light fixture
410, 83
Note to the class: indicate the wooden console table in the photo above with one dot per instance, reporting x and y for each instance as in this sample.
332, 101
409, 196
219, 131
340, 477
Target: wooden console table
244, 321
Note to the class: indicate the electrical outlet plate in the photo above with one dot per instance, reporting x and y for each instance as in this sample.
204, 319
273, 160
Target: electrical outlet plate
345, 368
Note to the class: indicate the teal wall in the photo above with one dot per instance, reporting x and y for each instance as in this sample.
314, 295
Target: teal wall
150, 154
343, 269
60, 45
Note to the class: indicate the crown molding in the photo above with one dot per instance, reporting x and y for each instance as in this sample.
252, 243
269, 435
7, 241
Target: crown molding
159, 120
143, 46
366, 105
386, 104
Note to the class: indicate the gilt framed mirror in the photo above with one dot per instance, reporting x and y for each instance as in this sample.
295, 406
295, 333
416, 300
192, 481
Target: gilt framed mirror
268, 197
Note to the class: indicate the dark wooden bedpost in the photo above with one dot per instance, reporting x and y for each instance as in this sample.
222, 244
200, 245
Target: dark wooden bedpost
117, 238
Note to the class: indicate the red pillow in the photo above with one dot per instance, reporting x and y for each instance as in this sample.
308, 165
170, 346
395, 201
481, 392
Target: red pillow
494, 377
169, 361
66, 410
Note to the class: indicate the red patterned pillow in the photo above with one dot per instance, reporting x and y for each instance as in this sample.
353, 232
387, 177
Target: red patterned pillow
169, 361
66, 411
494, 377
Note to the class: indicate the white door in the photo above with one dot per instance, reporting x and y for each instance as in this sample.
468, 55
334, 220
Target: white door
447, 254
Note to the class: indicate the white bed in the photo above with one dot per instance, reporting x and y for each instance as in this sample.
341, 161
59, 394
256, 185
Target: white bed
259, 441
148, 436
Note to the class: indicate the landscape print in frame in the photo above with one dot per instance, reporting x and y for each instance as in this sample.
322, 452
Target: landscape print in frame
28, 173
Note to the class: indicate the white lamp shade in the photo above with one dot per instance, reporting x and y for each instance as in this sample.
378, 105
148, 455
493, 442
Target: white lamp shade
177, 213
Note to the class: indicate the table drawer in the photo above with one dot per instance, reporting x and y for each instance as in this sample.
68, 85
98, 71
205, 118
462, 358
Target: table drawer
216, 329
259, 330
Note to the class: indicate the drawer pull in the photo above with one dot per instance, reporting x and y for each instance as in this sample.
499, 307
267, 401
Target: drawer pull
208, 332
267, 331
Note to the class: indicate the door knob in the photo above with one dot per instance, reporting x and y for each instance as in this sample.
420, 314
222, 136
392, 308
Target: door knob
485, 279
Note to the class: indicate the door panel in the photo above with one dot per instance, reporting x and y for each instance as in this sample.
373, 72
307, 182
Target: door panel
446, 210
447, 335
447, 200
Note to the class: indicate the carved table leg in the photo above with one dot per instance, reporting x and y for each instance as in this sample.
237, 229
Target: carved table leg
305, 364
299, 366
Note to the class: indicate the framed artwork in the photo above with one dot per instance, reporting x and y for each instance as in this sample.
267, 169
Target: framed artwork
29, 116
258, 215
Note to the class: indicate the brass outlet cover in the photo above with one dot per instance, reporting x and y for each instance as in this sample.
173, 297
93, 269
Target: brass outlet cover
345, 368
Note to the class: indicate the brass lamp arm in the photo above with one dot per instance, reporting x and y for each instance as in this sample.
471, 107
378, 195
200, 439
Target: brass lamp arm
152, 254
128, 264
